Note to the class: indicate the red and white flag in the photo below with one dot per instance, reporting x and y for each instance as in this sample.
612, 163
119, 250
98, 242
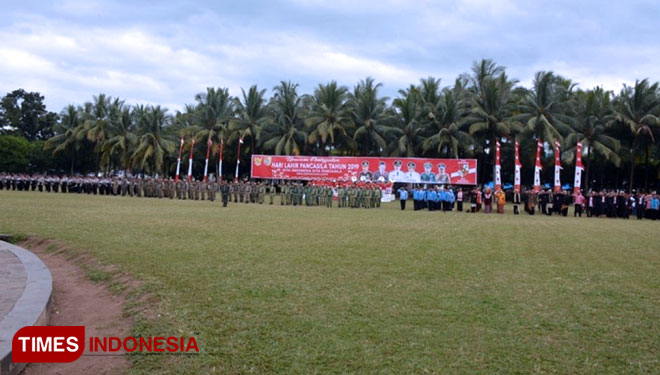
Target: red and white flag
238, 157
577, 183
178, 161
206, 163
557, 187
518, 165
538, 166
498, 167
190, 160
222, 144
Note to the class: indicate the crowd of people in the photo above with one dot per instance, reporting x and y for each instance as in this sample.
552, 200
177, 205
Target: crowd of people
349, 194
611, 203
313, 193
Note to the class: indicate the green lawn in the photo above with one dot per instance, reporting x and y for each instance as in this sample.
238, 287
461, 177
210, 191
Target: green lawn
287, 290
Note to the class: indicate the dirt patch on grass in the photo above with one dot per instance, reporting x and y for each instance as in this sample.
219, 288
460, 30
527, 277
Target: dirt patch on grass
83, 295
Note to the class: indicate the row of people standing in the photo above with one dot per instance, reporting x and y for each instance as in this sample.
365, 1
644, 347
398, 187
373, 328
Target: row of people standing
610, 204
141, 187
322, 193
433, 198
296, 193
441, 198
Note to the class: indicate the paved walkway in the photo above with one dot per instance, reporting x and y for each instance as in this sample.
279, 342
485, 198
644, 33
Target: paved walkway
12, 279
25, 289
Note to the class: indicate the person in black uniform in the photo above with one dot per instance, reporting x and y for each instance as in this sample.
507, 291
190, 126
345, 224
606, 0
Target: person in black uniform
557, 202
598, 203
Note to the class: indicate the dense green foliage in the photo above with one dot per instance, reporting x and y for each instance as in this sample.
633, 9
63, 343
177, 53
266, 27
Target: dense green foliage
618, 131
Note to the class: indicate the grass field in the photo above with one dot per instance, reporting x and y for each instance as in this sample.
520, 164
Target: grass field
271, 289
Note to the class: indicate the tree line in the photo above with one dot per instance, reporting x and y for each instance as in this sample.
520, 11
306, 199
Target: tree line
461, 120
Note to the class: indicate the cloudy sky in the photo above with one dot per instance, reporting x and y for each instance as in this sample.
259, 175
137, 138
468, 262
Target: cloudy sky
164, 52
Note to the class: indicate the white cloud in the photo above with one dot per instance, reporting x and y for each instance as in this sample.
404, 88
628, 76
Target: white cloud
153, 55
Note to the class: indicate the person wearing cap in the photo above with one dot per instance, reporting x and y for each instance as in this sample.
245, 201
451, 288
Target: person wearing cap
365, 175
397, 175
412, 175
442, 176
381, 172
428, 176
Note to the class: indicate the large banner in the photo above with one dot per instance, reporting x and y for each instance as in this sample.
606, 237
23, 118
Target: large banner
411, 170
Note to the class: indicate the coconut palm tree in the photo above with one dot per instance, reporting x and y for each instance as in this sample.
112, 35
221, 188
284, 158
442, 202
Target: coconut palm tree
97, 125
285, 135
68, 138
430, 95
252, 116
483, 71
592, 111
407, 129
153, 145
368, 112
543, 111
443, 121
637, 110
489, 117
121, 144
215, 109
329, 118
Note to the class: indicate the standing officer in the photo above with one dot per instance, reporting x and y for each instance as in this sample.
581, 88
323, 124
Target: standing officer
224, 191
403, 197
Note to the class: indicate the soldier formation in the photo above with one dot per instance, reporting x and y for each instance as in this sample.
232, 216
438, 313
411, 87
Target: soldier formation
313, 193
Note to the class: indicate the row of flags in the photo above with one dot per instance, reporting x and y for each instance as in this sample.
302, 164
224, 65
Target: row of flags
498, 179
538, 166
206, 163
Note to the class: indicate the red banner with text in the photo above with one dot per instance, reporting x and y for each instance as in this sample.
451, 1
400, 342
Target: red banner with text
383, 169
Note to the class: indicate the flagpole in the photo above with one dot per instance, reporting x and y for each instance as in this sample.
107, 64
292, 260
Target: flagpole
516, 177
190, 160
206, 163
238, 158
178, 161
538, 166
498, 178
577, 182
222, 143
557, 187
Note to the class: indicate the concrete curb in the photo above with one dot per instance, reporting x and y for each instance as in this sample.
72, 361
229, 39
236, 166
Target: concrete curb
31, 308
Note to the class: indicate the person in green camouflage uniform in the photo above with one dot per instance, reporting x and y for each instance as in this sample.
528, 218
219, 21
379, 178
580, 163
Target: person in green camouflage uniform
271, 192
328, 197
224, 191
283, 192
261, 193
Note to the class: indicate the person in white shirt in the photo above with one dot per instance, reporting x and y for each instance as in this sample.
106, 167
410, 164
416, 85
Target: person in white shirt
412, 175
397, 175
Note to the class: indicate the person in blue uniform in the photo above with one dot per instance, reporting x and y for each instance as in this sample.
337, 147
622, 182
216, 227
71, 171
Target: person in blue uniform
432, 199
403, 197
